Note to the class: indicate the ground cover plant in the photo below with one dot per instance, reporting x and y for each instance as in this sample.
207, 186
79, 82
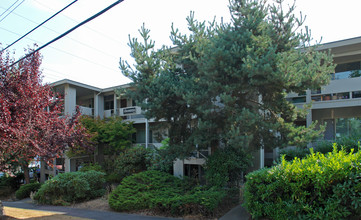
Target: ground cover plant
71, 187
164, 193
25, 190
320, 186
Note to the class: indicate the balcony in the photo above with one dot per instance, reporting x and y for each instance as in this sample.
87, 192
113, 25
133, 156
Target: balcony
86, 110
133, 112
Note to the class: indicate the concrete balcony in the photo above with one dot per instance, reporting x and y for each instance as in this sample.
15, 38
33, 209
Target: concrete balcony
86, 111
131, 113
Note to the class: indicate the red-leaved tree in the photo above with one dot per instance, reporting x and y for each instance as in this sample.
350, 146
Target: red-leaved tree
31, 124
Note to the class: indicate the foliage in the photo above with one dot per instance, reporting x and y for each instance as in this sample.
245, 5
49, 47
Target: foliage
320, 186
9, 184
131, 161
162, 158
30, 125
226, 166
228, 81
347, 143
12, 181
91, 166
71, 187
163, 192
25, 190
111, 133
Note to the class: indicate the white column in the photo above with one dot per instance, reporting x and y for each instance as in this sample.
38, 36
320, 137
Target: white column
178, 168
98, 105
261, 157
146, 133
69, 99
115, 105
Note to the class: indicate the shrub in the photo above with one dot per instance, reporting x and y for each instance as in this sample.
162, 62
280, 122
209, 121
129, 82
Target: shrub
133, 160
316, 187
165, 193
71, 187
25, 190
226, 166
91, 166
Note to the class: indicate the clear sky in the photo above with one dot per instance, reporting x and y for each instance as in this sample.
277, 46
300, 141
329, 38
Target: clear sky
91, 53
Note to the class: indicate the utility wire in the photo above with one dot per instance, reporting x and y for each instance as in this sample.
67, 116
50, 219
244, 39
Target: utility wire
12, 10
79, 42
69, 31
9, 8
76, 21
39, 25
63, 51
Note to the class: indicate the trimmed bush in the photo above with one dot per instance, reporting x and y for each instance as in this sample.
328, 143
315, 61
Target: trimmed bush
25, 190
71, 187
317, 187
225, 166
164, 193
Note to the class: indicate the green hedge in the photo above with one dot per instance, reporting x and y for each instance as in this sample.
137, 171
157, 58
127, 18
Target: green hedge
71, 187
164, 193
320, 186
25, 190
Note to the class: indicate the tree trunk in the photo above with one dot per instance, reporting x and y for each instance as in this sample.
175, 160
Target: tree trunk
25, 168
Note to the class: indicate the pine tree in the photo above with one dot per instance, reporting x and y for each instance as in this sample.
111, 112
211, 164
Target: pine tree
225, 84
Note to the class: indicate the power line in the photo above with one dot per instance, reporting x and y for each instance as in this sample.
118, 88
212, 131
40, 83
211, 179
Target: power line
12, 10
79, 42
76, 21
39, 25
63, 51
69, 31
9, 8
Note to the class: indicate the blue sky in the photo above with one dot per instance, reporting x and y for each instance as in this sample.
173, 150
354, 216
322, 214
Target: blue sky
91, 53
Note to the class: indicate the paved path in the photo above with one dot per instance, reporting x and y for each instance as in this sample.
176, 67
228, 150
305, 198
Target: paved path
83, 213
237, 213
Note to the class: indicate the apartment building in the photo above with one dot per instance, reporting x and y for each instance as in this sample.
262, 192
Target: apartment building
103, 103
338, 105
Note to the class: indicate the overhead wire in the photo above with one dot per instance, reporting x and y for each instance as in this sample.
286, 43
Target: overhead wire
63, 51
69, 31
12, 11
76, 21
79, 42
51, 17
9, 8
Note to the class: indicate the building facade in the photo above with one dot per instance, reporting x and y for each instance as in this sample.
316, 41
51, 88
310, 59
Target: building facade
338, 105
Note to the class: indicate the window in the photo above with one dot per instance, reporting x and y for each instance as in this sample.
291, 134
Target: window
347, 70
347, 126
108, 102
356, 94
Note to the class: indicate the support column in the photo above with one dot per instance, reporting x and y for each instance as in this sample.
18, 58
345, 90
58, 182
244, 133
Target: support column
146, 133
261, 157
115, 105
98, 105
69, 99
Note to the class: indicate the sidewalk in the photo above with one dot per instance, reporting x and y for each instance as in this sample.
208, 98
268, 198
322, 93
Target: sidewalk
80, 213
237, 213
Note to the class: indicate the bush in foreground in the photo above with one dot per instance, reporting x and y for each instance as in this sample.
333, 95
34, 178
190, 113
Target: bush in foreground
164, 193
25, 190
316, 187
71, 187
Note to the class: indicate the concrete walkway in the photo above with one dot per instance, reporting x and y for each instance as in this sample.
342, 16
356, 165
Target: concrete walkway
82, 213
237, 213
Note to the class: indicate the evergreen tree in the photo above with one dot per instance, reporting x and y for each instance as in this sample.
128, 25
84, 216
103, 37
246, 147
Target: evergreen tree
225, 84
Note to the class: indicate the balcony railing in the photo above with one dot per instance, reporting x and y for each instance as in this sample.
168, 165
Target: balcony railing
86, 111
133, 112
